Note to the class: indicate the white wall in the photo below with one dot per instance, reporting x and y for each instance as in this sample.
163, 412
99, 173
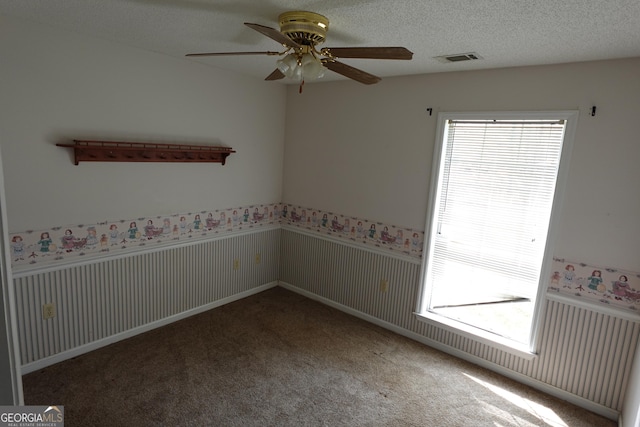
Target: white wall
368, 151
58, 86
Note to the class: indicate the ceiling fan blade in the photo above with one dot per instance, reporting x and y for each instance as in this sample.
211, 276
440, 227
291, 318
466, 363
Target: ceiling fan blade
273, 34
351, 72
368, 52
232, 53
276, 75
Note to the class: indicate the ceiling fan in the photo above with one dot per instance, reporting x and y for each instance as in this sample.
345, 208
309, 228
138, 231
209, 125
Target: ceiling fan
300, 33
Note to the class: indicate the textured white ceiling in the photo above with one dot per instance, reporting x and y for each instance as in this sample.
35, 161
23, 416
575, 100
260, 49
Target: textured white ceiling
504, 33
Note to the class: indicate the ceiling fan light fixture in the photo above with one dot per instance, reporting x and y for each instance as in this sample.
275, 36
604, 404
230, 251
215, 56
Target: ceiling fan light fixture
312, 68
299, 67
288, 64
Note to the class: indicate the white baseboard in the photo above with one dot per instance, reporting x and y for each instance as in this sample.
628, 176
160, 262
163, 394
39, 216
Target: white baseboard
523, 379
77, 351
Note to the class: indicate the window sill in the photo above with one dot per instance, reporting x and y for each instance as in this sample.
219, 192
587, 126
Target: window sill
496, 341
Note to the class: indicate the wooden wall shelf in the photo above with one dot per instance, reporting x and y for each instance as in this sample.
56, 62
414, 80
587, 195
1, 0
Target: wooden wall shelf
109, 151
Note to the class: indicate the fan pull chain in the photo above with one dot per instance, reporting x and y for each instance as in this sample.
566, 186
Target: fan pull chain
300, 89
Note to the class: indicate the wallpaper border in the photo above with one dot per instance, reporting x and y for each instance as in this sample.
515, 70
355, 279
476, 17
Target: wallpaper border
596, 285
61, 245
360, 231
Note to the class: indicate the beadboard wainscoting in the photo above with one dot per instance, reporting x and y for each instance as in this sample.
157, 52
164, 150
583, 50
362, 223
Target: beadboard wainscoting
103, 301
578, 355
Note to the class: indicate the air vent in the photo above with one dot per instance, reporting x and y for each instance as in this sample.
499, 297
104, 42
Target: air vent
458, 57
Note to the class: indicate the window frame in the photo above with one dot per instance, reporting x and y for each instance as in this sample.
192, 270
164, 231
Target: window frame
526, 351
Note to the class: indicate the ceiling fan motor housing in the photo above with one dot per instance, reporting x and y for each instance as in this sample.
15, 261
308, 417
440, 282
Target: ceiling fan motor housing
304, 28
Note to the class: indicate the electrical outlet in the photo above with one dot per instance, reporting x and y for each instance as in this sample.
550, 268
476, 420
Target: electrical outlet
236, 264
384, 285
258, 259
48, 311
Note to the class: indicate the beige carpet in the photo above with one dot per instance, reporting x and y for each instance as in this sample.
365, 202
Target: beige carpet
280, 359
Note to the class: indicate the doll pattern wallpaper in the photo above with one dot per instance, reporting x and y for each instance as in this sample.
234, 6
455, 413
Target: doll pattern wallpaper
37, 248
608, 286
33, 248
364, 232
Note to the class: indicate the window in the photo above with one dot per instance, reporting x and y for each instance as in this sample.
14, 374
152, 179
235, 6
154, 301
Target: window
496, 177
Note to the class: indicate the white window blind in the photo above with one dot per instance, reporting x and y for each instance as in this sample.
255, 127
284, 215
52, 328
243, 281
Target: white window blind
493, 207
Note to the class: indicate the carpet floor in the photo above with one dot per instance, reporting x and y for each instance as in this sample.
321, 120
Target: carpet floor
280, 359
